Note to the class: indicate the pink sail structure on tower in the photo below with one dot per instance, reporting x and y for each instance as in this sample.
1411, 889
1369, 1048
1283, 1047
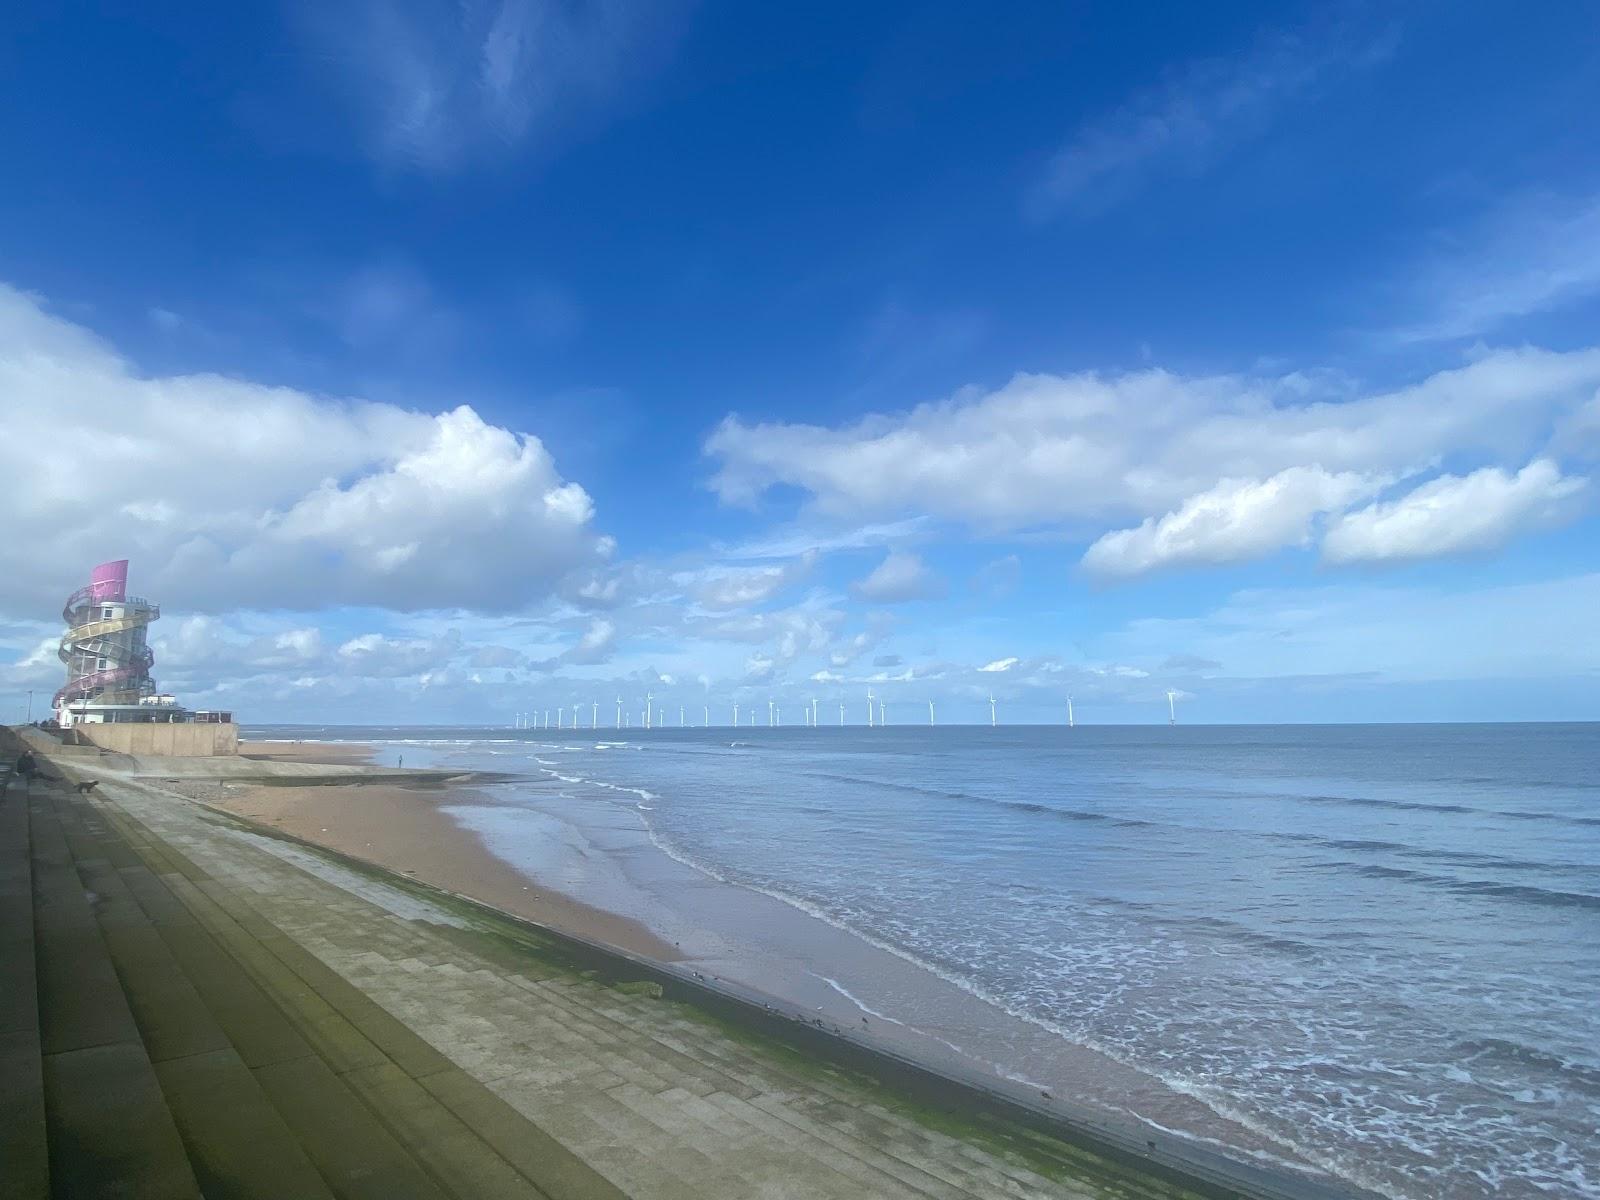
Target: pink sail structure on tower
109, 581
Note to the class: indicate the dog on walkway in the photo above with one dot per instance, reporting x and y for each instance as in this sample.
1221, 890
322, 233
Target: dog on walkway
87, 786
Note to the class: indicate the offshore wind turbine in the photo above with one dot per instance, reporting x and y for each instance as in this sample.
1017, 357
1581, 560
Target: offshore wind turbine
619, 712
841, 714
649, 699
708, 716
1070, 722
869, 708
813, 712
991, 710
736, 714
594, 715
930, 712
769, 712
882, 718
1172, 708
559, 711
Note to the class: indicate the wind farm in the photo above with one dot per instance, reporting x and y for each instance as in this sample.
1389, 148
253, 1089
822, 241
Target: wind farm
652, 714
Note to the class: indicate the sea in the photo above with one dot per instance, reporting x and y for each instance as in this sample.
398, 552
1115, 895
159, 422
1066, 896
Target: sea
1366, 953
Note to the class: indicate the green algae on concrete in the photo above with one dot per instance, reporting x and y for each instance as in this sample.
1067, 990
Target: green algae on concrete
942, 1106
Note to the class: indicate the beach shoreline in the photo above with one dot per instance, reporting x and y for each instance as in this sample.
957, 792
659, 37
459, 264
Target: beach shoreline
410, 824
597, 873
400, 824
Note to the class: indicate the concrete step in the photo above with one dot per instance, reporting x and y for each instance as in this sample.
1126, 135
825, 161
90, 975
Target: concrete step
303, 1102
957, 1161
238, 1143
579, 1038
868, 1170
110, 1130
884, 1143
356, 1155
468, 1142
24, 1148
238, 1146
746, 1163
873, 1132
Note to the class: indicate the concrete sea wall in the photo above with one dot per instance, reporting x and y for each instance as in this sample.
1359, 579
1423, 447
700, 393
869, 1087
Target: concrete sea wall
190, 740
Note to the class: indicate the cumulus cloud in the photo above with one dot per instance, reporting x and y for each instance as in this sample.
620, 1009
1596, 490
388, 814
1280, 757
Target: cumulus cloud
1084, 449
901, 576
1455, 514
380, 656
227, 494
1000, 664
1236, 520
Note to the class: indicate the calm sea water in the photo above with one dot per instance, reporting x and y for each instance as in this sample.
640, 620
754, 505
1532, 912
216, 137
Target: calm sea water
1379, 946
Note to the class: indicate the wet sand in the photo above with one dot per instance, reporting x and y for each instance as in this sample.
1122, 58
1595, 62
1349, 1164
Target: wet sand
320, 753
402, 829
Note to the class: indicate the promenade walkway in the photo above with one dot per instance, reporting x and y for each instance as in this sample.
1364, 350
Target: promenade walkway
189, 1007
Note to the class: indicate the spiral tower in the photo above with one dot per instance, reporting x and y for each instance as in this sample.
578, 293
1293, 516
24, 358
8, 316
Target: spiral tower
104, 647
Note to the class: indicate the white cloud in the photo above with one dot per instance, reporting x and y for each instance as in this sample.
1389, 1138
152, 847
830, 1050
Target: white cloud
791, 542
596, 645
436, 86
1083, 449
1000, 664
853, 648
1183, 125
375, 655
735, 587
901, 576
1237, 519
1454, 514
227, 494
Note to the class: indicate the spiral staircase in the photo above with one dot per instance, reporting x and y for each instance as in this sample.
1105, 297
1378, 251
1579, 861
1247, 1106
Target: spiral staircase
117, 641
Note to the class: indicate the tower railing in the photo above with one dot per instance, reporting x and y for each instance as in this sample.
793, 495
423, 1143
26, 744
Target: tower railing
126, 675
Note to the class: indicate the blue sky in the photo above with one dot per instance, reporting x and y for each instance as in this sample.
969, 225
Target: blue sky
437, 362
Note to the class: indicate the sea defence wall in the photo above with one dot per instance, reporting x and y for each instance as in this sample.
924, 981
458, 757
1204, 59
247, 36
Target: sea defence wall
186, 740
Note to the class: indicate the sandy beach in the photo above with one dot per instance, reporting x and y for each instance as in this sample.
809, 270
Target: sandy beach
400, 826
319, 753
